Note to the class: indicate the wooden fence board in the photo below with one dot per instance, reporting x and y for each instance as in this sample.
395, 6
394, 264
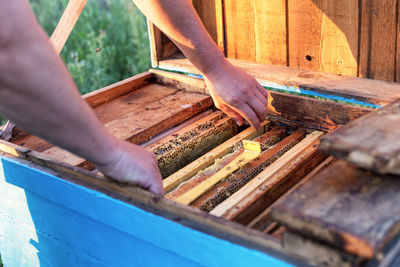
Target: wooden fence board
378, 39
323, 35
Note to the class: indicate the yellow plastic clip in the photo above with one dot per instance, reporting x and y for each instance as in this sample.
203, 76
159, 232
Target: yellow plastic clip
251, 151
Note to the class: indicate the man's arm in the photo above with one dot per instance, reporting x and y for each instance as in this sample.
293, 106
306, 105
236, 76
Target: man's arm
233, 91
37, 92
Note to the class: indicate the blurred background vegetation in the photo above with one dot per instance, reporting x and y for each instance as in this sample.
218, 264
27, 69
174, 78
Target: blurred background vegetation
109, 42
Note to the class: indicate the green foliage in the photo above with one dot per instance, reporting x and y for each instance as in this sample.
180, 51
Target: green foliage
109, 42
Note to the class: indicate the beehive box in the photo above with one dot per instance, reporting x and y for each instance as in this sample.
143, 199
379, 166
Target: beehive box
292, 205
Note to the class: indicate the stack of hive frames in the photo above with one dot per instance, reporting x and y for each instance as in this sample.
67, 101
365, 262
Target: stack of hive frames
272, 149
276, 140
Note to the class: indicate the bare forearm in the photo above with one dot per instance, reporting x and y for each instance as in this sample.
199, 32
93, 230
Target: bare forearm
179, 20
37, 92
234, 91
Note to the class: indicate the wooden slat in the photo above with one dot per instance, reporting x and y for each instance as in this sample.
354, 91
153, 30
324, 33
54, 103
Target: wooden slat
323, 35
208, 159
225, 208
264, 220
320, 82
211, 14
144, 123
118, 89
353, 209
371, 142
313, 113
132, 102
239, 29
398, 44
256, 30
66, 24
277, 183
161, 46
270, 31
378, 39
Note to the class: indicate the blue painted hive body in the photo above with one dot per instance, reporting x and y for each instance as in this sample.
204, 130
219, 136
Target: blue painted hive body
48, 221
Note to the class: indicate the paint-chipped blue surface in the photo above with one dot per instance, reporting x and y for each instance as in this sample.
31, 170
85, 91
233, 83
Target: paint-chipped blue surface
279, 87
47, 221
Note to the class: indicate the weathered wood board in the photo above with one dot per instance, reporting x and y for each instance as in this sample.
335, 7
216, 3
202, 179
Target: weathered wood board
370, 142
360, 89
323, 35
348, 207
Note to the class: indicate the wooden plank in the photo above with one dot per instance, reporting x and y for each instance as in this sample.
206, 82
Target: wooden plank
264, 220
348, 87
313, 113
144, 123
256, 31
158, 116
132, 102
323, 35
225, 208
270, 31
378, 39
161, 46
211, 14
117, 89
66, 24
147, 201
277, 184
239, 30
398, 45
208, 159
371, 142
348, 207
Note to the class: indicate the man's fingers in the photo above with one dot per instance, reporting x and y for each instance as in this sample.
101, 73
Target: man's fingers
262, 90
156, 188
249, 115
261, 97
234, 115
258, 107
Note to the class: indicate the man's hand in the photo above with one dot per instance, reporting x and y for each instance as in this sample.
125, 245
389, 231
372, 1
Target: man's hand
233, 91
133, 164
237, 94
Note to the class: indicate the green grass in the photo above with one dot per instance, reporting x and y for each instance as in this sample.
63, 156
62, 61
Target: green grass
109, 42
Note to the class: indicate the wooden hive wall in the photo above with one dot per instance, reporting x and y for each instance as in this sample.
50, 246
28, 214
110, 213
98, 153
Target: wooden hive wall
349, 37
